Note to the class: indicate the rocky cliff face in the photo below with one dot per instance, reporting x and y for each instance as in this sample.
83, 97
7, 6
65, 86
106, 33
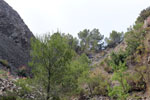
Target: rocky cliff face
14, 37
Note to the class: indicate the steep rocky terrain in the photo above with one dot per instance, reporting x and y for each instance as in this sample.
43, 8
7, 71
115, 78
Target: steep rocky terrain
14, 38
130, 62
137, 63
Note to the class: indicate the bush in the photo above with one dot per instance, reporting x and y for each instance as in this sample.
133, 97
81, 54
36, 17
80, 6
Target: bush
25, 88
119, 92
114, 38
96, 84
117, 58
90, 40
108, 69
11, 96
143, 15
144, 74
106, 65
8, 98
101, 87
147, 29
140, 50
22, 71
4, 63
136, 82
134, 38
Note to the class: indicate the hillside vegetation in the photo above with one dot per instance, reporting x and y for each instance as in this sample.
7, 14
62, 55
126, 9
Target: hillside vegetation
67, 68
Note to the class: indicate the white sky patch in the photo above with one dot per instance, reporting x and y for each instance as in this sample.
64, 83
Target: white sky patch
72, 16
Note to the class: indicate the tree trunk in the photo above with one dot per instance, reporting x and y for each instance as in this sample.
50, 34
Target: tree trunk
48, 87
91, 93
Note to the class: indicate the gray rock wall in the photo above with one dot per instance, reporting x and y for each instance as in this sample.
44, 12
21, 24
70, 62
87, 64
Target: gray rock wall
14, 37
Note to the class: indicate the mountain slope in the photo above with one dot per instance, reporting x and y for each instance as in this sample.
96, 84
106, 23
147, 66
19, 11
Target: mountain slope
14, 38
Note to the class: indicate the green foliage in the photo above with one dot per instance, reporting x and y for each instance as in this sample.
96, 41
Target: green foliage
143, 15
84, 36
99, 84
134, 38
22, 71
90, 40
96, 84
147, 29
120, 91
76, 69
73, 42
8, 98
5, 63
50, 55
136, 82
96, 40
143, 71
140, 50
2, 72
108, 69
114, 38
117, 58
117, 93
106, 65
25, 87
11, 96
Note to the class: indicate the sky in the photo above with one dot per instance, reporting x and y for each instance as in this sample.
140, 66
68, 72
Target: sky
72, 16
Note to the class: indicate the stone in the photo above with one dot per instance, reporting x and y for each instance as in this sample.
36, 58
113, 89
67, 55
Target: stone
147, 22
14, 38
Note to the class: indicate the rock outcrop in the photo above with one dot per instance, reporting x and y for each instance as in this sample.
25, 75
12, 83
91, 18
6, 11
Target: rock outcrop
14, 38
147, 22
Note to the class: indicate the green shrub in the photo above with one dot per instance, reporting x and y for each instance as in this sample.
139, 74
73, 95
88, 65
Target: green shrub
107, 61
25, 88
22, 71
96, 84
114, 38
140, 49
134, 38
8, 98
4, 63
119, 92
108, 69
2, 72
106, 65
101, 88
102, 63
136, 82
143, 15
144, 73
117, 58
147, 29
